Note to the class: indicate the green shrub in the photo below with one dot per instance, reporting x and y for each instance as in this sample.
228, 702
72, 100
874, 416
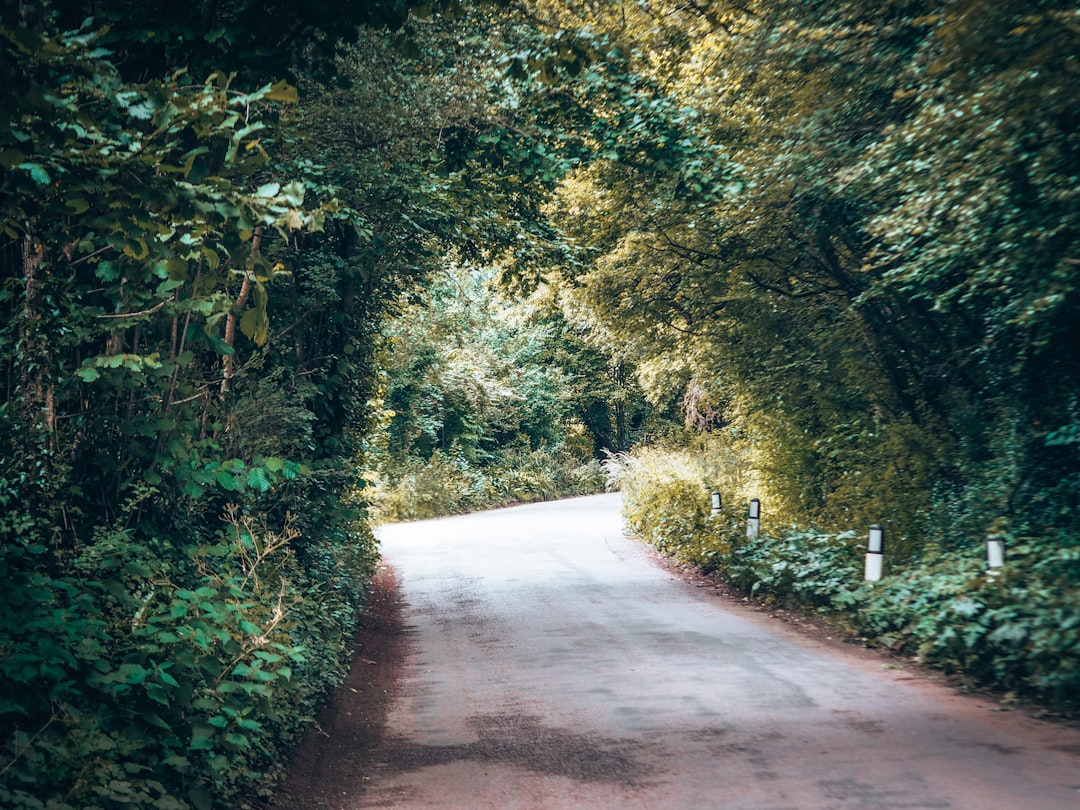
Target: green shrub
442, 485
1017, 628
666, 501
798, 568
151, 678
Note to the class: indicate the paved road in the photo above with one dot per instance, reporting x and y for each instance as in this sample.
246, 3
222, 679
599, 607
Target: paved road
552, 663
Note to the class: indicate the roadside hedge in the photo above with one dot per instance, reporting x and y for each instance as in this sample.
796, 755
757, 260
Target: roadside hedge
1016, 629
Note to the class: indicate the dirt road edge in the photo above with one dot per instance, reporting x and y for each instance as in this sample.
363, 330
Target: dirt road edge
329, 769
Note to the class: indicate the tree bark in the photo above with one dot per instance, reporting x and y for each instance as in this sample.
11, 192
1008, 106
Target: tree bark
230, 321
40, 392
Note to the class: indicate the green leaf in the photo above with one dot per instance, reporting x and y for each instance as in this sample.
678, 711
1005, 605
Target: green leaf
8, 706
166, 287
107, 271
156, 692
257, 478
254, 323
37, 173
178, 762
131, 674
293, 193
202, 737
284, 92
136, 249
227, 481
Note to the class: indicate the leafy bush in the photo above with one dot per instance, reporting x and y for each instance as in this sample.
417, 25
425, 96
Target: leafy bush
152, 679
797, 568
666, 498
442, 485
521, 475
1017, 628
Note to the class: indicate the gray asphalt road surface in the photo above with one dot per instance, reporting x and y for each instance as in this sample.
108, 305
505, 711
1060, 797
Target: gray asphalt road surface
552, 663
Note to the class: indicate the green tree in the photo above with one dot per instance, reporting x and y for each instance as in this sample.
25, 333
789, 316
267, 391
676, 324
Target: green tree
496, 398
840, 291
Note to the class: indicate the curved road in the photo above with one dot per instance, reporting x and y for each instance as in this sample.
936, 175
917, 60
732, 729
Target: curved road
552, 663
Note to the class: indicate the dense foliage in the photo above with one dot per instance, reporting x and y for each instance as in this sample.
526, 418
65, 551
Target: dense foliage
195, 267
876, 303
490, 402
873, 275
664, 491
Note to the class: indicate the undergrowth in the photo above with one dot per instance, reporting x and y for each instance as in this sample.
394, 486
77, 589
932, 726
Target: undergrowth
449, 484
177, 681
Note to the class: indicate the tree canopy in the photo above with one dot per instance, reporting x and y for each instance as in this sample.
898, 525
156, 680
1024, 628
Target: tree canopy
880, 284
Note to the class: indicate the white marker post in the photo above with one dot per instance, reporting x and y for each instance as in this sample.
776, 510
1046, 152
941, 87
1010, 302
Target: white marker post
753, 522
875, 553
715, 503
995, 552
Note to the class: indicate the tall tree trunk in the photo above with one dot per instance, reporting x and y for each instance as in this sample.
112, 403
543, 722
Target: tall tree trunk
234, 312
39, 390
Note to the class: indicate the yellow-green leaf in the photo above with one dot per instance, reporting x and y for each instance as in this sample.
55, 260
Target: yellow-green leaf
284, 92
